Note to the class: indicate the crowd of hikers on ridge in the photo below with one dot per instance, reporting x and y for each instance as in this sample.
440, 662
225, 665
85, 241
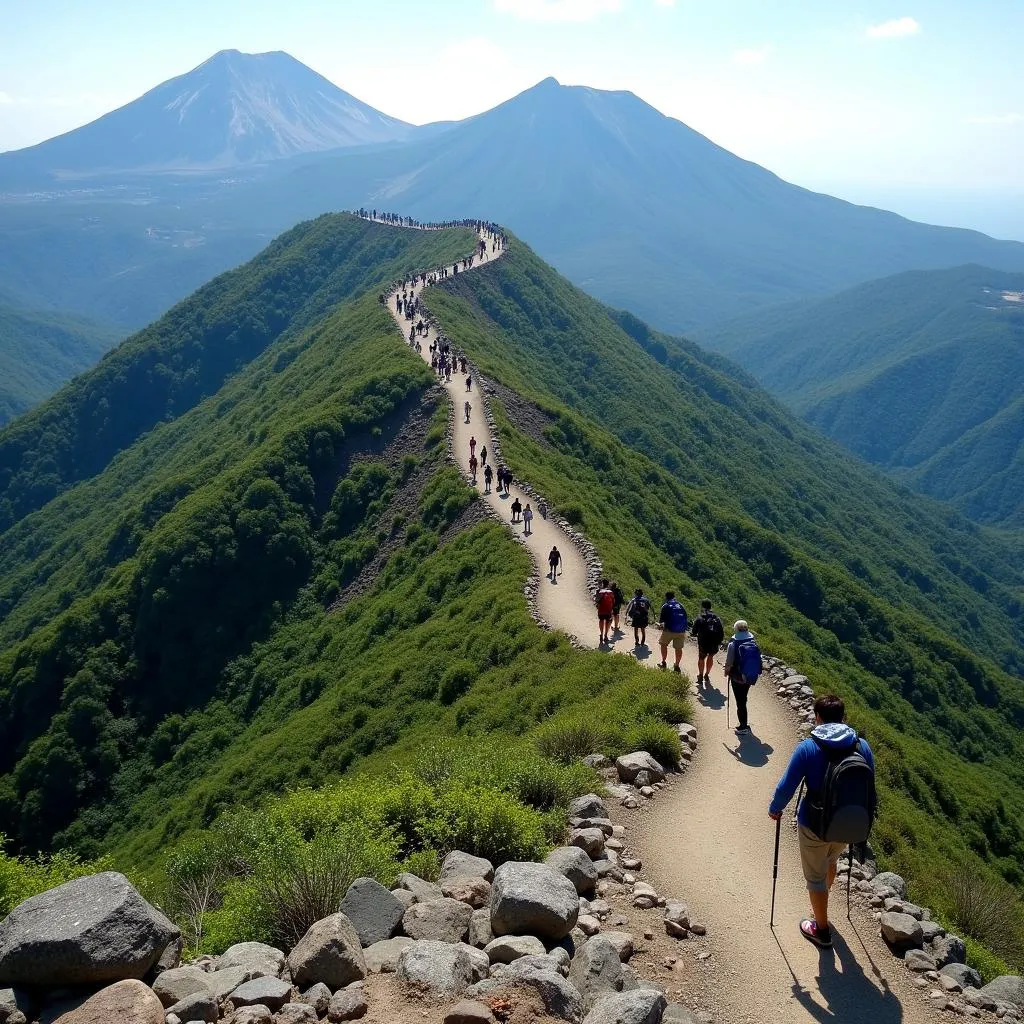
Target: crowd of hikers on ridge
833, 767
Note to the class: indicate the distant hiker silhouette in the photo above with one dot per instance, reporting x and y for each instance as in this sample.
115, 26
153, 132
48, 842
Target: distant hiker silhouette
527, 519
554, 561
638, 611
488, 474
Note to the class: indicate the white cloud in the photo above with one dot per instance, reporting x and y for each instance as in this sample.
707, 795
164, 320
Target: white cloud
751, 55
557, 10
996, 119
895, 28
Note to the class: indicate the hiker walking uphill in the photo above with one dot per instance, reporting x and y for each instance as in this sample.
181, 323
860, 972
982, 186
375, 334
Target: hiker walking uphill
709, 633
638, 611
554, 561
742, 669
838, 809
672, 620
605, 603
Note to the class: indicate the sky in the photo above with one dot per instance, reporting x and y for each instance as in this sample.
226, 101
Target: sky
917, 106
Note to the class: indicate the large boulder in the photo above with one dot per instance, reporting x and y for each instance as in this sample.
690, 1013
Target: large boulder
597, 971
261, 960
560, 998
507, 948
901, 931
890, 880
641, 1006
444, 920
202, 1005
630, 765
464, 865
374, 912
964, 976
533, 899
179, 982
382, 957
589, 806
589, 840
224, 981
421, 889
329, 952
348, 1004
1007, 988
88, 931
572, 862
265, 991
948, 949
440, 967
126, 1002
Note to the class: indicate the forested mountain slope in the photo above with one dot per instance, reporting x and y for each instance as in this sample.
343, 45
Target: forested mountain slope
931, 348
171, 648
41, 350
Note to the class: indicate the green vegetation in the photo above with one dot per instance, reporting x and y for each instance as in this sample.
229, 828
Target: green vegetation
40, 351
23, 877
930, 348
698, 482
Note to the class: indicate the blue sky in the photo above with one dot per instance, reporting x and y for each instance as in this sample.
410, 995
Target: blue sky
891, 101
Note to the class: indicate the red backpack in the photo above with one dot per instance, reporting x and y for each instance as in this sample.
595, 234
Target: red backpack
605, 602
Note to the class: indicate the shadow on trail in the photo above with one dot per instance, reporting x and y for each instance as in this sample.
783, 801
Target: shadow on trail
642, 652
711, 697
751, 751
850, 996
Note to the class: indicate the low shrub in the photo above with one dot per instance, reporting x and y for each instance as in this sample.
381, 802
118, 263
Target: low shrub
24, 877
568, 739
989, 911
658, 739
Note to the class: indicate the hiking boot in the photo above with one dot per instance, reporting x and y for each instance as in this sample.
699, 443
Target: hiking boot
813, 932
662, 664
676, 668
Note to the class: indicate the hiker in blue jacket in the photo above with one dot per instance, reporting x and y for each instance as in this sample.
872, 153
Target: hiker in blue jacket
742, 668
831, 738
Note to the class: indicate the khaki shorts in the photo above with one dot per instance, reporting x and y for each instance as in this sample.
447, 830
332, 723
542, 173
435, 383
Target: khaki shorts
676, 638
816, 857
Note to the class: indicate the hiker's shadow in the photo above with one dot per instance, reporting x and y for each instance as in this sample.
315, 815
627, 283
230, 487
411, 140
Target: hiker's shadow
641, 652
751, 751
850, 995
711, 697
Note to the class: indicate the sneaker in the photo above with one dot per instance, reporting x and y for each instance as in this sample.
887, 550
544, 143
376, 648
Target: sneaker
812, 932
662, 664
676, 668
743, 730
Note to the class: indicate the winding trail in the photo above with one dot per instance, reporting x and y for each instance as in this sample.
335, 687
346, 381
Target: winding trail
708, 838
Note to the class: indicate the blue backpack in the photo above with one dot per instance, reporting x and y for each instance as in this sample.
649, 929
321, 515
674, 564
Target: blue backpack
675, 620
747, 660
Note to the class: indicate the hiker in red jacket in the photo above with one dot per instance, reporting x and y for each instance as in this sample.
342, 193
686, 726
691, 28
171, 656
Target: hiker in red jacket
605, 602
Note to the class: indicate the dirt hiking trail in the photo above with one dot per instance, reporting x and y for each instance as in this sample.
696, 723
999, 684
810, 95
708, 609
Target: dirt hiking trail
707, 838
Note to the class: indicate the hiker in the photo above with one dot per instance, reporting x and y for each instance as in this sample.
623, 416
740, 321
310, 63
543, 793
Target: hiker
472, 467
469, 383
709, 632
527, 519
542, 508
605, 602
838, 810
483, 455
672, 620
554, 561
468, 409
472, 445
620, 600
742, 669
488, 474
638, 611
517, 507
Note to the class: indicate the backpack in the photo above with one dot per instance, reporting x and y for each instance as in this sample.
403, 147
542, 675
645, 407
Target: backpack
675, 620
713, 630
641, 610
605, 602
843, 811
747, 661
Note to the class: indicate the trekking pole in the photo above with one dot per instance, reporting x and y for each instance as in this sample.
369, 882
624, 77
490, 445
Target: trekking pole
849, 875
727, 688
775, 870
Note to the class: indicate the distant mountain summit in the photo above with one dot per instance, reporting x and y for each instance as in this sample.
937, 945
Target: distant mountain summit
234, 109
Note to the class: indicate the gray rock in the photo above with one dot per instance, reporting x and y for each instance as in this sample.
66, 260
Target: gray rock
201, 1005
443, 919
476, 892
422, 890
533, 899
329, 952
1007, 988
124, 1002
589, 840
931, 930
597, 761
478, 959
437, 966
382, 957
169, 958
918, 961
623, 943
968, 977
261, 960
507, 948
676, 1014
464, 865
348, 1004
949, 949
642, 1006
890, 880
560, 997
223, 982
405, 897
88, 931
480, 928
179, 982
574, 863
14, 1001
258, 1014
900, 930
469, 1011
296, 1013
979, 998
628, 765
597, 971
318, 997
589, 806
266, 991
373, 911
